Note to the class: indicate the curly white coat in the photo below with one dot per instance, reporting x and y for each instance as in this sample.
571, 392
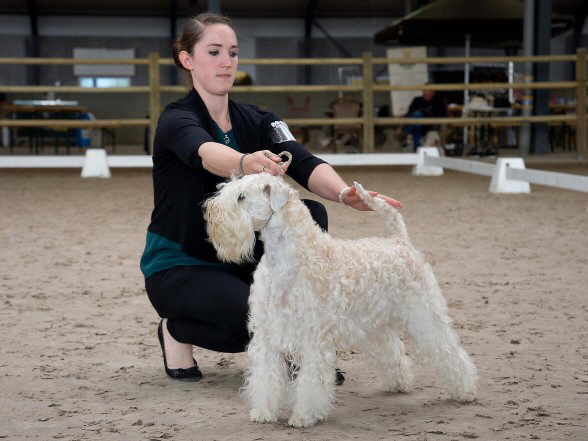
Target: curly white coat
314, 294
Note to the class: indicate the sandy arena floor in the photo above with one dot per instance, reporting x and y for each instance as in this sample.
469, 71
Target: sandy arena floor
80, 358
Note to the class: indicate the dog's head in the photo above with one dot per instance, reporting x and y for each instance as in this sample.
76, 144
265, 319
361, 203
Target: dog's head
241, 207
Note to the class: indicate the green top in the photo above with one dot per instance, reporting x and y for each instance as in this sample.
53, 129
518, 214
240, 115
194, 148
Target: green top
161, 253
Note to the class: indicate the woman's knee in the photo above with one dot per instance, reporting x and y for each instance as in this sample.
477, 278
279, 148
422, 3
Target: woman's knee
318, 212
238, 338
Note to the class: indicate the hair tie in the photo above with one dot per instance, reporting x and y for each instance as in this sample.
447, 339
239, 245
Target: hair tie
341, 194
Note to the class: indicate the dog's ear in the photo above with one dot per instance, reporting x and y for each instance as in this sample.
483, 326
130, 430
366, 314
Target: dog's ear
279, 194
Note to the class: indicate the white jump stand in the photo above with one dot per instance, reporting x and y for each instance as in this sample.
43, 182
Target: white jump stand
502, 184
420, 169
95, 164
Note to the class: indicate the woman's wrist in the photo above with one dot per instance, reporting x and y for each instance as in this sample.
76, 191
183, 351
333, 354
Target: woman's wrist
241, 171
341, 193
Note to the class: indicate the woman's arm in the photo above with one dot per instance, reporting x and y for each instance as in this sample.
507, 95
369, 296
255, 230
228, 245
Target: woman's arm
326, 183
224, 161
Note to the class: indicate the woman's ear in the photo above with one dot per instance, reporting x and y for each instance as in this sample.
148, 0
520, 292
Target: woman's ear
186, 60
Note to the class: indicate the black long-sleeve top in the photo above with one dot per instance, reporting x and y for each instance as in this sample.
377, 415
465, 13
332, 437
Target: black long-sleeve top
181, 183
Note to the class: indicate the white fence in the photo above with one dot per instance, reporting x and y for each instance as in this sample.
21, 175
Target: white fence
509, 175
552, 179
95, 164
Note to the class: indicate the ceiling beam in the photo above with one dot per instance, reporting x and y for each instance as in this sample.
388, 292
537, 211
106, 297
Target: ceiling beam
33, 46
214, 6
309, 16
580, 16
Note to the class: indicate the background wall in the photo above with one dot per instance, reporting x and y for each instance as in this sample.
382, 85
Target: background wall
261, 38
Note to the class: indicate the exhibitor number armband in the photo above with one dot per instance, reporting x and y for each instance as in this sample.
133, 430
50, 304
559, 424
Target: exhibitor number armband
279, 132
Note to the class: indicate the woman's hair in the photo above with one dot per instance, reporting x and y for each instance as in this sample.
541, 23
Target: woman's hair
192, 33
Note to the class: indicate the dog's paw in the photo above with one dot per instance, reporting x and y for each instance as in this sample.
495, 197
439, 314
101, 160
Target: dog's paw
259, 416
466, 397
398, 388
400, 381
301, 420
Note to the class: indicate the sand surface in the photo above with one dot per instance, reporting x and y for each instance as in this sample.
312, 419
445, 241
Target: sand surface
80, 358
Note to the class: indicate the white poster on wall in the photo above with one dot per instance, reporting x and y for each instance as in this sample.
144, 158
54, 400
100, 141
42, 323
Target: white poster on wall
406, 73
104, 70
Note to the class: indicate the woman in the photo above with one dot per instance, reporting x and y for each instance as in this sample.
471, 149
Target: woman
200, 140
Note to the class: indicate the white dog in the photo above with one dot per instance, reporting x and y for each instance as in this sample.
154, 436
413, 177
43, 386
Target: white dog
313, 294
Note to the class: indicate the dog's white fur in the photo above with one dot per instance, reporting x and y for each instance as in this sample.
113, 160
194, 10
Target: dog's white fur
314, 294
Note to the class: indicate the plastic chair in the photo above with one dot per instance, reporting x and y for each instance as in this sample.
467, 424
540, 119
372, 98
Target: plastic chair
342, 133
300, 133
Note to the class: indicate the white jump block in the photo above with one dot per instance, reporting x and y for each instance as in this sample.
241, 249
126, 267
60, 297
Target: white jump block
95, 164
421, 169
502, 184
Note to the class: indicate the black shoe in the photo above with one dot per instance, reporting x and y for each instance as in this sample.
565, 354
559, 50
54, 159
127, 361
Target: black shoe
292, 367
293, 370
189, 374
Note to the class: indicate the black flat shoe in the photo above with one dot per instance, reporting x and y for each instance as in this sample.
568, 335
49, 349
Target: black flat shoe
293, 370
189, 374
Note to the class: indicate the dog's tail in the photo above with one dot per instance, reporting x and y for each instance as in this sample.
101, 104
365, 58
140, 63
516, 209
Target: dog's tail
393, 218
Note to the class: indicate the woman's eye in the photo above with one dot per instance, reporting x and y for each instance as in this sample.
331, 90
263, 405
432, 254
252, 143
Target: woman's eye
213, 53
234, 54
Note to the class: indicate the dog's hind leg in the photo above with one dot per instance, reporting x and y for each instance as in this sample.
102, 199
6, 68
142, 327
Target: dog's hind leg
387, 352
430, 328
314, 386
265, 382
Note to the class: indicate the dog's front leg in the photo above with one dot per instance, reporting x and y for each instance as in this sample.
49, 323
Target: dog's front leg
314, 386
265, 381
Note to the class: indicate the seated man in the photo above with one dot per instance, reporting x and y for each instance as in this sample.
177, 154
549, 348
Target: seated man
426, 106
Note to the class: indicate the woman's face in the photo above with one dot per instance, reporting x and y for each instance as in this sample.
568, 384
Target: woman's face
214, 60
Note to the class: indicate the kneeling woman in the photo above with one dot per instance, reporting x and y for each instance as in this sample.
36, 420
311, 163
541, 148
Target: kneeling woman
201, 140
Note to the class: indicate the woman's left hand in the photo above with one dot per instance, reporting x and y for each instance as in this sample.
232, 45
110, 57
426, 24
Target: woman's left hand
351, 197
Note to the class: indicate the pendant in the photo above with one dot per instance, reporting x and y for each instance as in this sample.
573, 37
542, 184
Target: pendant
227, 139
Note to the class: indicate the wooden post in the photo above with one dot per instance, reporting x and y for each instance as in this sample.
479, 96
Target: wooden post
154, 96
368, 103
581, 129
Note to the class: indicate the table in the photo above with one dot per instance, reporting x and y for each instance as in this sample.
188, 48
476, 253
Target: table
562, 135
485, 138
44, 109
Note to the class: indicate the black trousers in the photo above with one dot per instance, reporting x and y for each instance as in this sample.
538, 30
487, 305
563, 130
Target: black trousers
207, 306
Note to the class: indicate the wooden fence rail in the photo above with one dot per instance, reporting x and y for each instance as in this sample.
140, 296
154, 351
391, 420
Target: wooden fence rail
367, 88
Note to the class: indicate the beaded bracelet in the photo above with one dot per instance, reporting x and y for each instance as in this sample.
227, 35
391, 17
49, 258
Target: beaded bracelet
241, 171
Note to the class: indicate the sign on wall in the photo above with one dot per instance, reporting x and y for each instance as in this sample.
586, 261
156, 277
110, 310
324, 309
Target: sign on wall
104, 70
406, 73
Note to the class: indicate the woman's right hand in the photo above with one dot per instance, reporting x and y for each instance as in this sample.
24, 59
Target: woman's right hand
263, 161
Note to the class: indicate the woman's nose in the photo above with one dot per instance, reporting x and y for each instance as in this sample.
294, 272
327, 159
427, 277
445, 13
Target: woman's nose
225, 60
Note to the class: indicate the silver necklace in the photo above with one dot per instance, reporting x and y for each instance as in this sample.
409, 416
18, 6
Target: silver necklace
226, 138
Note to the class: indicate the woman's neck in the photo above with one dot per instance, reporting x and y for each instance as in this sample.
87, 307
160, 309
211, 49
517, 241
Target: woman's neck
218, 108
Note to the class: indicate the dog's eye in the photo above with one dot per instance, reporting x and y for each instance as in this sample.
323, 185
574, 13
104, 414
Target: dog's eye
241, 197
